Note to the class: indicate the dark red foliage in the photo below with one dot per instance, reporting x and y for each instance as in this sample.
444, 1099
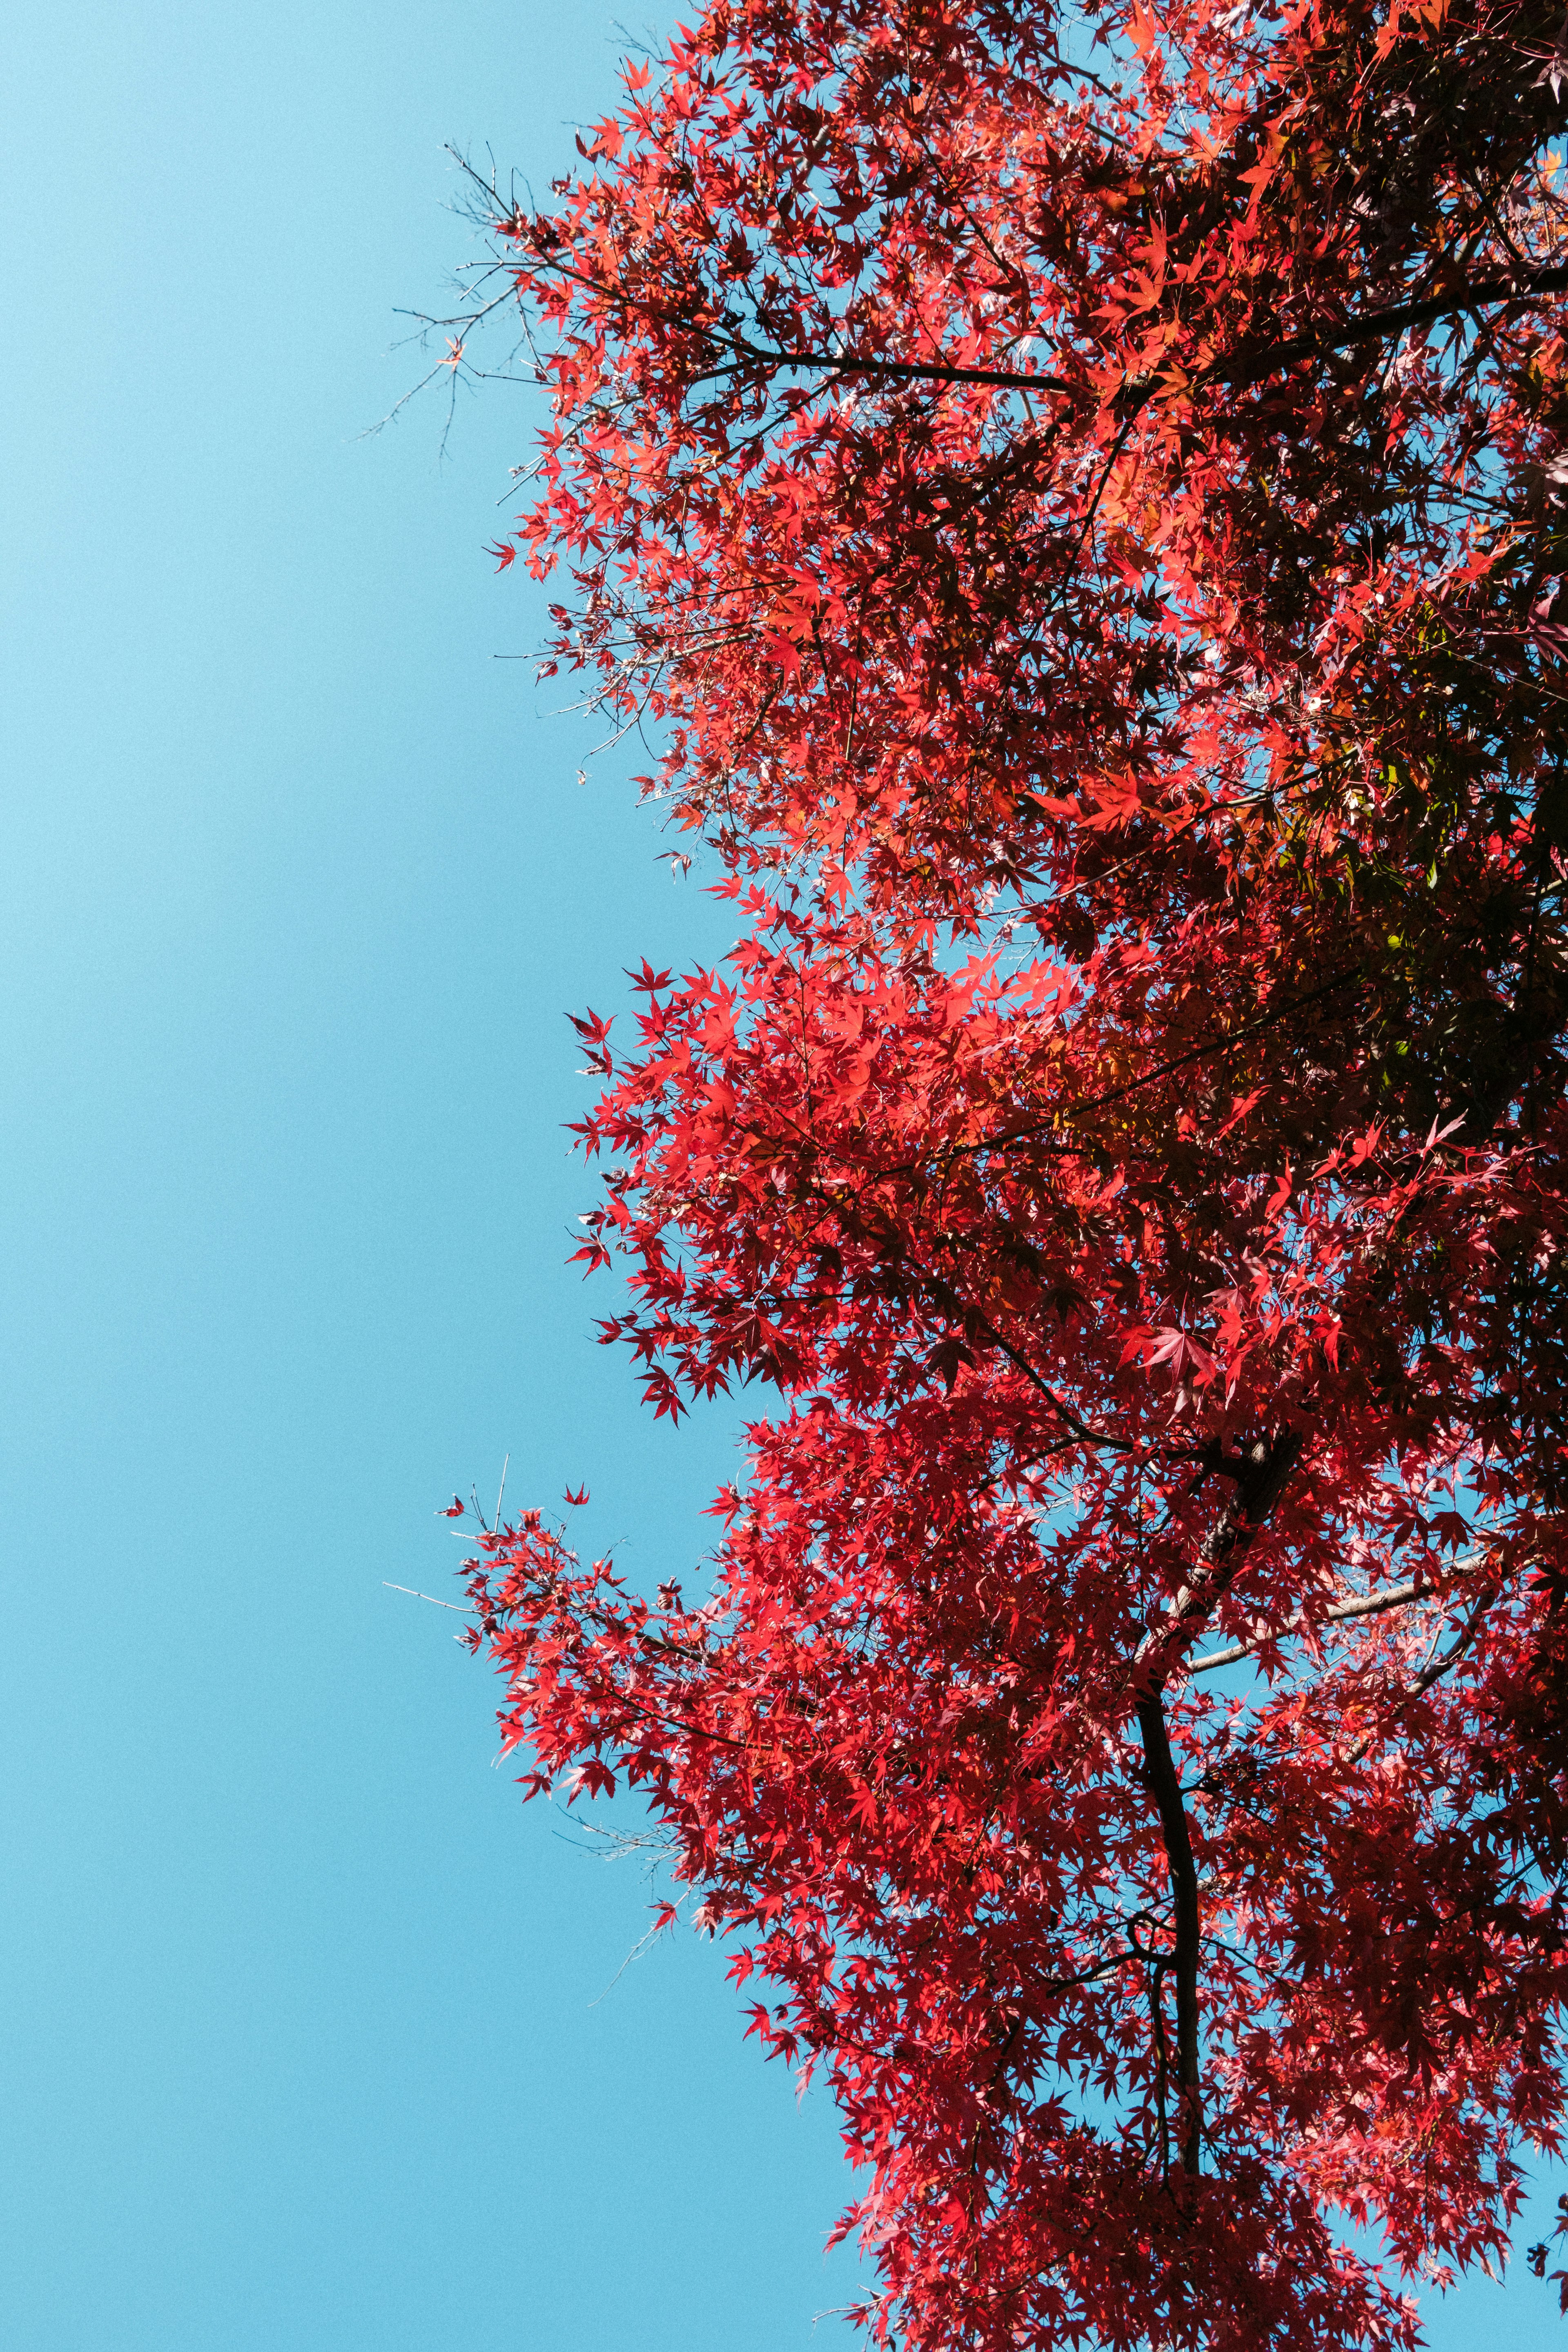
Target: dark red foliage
1082, 502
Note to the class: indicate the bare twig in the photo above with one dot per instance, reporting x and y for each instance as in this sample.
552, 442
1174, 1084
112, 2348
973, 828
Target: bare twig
430, 1597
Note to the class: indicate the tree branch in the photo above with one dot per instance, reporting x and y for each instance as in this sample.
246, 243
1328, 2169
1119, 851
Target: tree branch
900, 371
1260, 1472
1181, 1061
1365, 1604
1374, 326
1440, 1665
1167, 1788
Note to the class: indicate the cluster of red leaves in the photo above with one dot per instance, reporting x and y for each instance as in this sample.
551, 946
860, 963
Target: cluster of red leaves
1083, 501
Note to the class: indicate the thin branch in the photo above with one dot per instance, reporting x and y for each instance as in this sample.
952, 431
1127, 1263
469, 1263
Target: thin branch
1375, 325
1164, 1069
1372, 326
1435, 1672
430, 1597
1364, 1604
899, 371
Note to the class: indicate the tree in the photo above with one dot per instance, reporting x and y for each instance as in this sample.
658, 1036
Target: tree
1081, 502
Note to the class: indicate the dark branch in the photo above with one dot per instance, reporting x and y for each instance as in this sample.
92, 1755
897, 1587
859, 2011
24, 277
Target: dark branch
1212, 1045
1167, 1790
1374, 326
903, 370
1260, 1473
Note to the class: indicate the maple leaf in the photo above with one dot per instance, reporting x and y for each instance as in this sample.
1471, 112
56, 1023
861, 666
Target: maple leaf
1186, 1359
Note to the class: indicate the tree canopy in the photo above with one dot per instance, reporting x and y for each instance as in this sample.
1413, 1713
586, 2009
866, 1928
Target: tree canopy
1078, 503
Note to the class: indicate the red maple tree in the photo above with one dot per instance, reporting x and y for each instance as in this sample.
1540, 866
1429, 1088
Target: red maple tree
1080, 502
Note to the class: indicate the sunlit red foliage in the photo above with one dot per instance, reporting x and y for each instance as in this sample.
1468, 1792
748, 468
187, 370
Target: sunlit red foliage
1079, 504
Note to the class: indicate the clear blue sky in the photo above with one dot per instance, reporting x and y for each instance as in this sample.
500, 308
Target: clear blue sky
300, 2040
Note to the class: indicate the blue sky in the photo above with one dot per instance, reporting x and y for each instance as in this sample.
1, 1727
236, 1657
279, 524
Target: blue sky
301, 2035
